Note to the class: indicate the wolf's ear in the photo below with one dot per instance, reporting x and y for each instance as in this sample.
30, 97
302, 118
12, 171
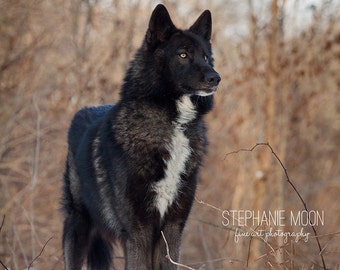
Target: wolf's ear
202, 26
160, 26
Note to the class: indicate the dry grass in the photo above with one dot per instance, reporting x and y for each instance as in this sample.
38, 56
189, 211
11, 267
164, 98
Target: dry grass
56, 58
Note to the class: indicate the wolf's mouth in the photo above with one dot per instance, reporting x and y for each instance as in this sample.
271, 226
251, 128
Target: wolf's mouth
206, 92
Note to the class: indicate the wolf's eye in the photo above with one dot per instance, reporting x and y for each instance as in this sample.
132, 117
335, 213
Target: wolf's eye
183, 55
205, 58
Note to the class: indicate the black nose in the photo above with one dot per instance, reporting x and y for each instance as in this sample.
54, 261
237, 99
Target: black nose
212, 78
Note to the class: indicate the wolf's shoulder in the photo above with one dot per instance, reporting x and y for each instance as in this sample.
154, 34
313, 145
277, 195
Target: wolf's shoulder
83, 120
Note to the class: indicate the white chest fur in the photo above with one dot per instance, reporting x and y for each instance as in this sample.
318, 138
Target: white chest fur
179, 149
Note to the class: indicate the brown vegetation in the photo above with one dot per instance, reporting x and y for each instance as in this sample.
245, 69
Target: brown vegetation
58, 56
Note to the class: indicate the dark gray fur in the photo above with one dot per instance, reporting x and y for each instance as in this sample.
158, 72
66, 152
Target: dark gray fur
118, 154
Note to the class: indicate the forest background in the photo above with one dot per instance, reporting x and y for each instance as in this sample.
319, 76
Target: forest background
274, 132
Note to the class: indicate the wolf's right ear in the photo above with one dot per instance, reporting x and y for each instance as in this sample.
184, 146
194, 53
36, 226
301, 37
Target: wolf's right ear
202, 26
160, 26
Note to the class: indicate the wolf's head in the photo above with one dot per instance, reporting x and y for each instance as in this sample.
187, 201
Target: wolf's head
176, 62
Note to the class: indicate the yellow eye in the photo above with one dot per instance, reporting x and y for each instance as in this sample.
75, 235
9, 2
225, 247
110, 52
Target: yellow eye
183, 55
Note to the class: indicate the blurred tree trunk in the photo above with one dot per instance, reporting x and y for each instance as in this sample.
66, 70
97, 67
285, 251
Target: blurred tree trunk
253, 35
249, 192
276, 122
263, 190
82, 18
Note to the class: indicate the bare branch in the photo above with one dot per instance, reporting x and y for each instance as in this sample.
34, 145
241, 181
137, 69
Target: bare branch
41, 251
168, 255
245, 149
207, 204
292, 185
3, 265
3, 222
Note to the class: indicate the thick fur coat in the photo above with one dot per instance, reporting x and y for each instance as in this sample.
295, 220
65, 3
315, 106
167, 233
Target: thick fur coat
132, 168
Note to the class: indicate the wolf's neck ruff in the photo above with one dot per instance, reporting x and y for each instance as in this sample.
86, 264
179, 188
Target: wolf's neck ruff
179, 149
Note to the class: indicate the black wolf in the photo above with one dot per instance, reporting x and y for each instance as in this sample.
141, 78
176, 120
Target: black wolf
132, 168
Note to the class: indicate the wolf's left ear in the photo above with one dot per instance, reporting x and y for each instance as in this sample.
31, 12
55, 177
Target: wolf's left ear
202, 26
160, 26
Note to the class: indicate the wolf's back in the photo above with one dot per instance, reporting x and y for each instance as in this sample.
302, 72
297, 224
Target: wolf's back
82, 121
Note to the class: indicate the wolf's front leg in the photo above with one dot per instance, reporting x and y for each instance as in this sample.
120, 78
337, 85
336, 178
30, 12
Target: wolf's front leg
138, 250
172, 234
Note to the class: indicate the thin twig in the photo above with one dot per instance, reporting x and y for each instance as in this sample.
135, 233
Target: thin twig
3, 222
291, 184
35, 171
168, 255
210, 205
35, 165
245, 149
206, 248
3, 265
21, 247
41, 251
